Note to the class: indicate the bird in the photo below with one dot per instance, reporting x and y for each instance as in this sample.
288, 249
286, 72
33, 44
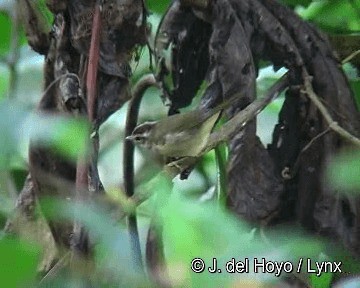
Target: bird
179, 135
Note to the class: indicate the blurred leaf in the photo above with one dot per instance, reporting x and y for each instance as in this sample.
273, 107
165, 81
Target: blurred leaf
11, 119
30, 78
337, 16
204, 231
18, 175
66, 136
208, 164
355, 85
69, 135
158, 184
6, 205
5, 24
344, 173
112, 247
6, 9
158, 6
100, 226
322, 281
41, 4
18, 263
351, 71
4, 82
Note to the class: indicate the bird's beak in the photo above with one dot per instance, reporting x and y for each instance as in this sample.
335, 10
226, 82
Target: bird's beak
129, 138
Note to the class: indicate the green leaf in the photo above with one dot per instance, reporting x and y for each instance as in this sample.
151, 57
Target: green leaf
45, 12
6, 205
192, 230
337, 16
18, 263
158, 6
5, 36
343, 173
112, 248
18, 174
66, 136
322, 281
355, 85
4, 81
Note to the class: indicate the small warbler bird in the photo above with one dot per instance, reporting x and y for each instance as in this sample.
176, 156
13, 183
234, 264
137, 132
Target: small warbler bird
179, 135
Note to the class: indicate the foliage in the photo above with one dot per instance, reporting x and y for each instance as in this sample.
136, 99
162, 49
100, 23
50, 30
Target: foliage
18, 262
344, 172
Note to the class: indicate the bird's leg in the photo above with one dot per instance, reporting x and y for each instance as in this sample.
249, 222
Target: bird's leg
182, 166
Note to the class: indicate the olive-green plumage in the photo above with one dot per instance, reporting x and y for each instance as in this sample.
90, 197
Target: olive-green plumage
179, 135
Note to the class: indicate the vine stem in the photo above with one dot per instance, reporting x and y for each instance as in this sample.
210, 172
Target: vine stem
128, 160
333, 125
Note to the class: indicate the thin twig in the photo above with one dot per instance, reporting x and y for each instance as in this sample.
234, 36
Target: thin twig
56, 269
128, 159
312, 141
351, 56
57, 80
286, 173
332, 124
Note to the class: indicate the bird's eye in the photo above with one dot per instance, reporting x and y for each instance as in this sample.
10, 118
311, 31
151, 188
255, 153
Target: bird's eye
138, 138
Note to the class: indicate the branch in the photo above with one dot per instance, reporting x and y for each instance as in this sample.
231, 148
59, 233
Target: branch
333, 125
128, 159
80, 241
93, 63
246, 115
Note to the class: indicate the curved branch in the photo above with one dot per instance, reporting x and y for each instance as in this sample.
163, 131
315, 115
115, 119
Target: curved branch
128, 158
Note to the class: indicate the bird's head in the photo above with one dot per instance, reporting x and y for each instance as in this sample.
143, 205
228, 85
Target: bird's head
140, 135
